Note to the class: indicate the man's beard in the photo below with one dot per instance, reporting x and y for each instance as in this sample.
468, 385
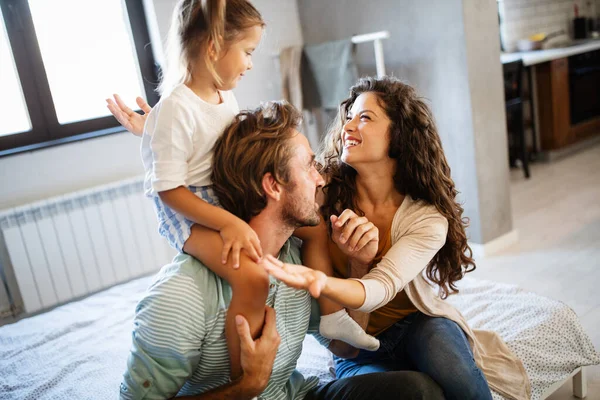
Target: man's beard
296, 214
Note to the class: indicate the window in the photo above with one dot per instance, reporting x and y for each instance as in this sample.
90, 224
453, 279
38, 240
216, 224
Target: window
60, 59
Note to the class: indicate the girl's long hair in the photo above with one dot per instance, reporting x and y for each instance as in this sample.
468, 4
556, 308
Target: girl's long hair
195, 25
421, 172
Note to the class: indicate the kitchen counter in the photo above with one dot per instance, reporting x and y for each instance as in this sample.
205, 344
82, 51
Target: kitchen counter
540, 56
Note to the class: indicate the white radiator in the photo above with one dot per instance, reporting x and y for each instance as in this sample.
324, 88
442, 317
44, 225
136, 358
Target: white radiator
66, 247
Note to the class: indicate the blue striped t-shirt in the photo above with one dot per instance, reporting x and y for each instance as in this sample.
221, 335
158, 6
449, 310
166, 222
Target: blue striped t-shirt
178, 336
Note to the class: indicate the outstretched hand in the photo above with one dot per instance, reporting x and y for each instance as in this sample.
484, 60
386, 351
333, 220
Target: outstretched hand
296, 276
131, 120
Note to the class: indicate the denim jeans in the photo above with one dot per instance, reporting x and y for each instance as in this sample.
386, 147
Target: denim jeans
435, 346
396, 385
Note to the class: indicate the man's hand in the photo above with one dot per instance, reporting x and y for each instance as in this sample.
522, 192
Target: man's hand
356, 236
130, 120
257, 356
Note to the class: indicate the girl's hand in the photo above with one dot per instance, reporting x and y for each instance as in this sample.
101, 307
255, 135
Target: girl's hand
130, 120
238, 235
356, 236
296, 276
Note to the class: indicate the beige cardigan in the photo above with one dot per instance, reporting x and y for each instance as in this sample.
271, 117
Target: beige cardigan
418, 232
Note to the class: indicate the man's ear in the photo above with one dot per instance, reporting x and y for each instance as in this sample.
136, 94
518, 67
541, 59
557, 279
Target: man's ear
271, 187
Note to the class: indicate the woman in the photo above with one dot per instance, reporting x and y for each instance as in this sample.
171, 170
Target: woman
391, 208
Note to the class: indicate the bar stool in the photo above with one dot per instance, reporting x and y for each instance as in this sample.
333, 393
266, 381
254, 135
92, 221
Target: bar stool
513, 96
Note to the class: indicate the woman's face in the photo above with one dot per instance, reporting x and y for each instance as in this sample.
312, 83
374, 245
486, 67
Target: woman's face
365, 136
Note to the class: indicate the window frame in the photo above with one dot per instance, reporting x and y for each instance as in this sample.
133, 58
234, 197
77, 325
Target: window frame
45, 130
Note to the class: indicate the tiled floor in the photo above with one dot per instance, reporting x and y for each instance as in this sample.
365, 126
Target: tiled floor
557, 215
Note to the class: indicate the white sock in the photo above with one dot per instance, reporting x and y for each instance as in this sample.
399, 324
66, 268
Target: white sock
341, 326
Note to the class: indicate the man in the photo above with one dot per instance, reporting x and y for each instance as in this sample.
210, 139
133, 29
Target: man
264, 172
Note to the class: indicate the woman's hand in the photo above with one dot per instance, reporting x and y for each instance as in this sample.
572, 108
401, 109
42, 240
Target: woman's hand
296, 276
356, 236
238, 235
130, 120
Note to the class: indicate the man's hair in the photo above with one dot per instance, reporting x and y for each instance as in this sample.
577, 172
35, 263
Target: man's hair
257, 142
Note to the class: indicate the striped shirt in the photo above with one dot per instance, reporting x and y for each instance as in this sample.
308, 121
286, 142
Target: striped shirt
178, 336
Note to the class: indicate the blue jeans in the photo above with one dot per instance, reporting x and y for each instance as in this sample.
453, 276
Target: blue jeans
396, 385
435, 346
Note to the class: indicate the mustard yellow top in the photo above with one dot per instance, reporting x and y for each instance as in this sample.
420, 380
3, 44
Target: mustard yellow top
386, 316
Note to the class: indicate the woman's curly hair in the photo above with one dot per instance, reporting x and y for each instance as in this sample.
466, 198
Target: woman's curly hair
421, 172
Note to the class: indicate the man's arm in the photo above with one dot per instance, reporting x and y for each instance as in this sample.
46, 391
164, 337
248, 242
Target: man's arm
257, 358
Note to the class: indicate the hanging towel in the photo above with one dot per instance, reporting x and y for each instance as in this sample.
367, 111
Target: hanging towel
291, 85
328, 72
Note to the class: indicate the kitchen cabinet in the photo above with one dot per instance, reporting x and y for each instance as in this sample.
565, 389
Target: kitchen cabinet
554, 93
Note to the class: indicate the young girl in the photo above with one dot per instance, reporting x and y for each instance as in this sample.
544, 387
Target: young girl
211, 43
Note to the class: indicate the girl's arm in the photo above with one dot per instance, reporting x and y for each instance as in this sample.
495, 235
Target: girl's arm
131, 120
236, 234
195, 209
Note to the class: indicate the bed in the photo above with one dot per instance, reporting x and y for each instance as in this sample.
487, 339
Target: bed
79, 350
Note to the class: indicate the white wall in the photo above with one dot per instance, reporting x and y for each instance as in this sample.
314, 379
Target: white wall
523, 18
53, 171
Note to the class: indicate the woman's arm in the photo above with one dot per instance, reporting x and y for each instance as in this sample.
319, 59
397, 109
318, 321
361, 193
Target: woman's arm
349, 293
407, 258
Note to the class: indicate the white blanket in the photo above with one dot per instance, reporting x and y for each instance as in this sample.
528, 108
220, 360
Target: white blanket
79, 351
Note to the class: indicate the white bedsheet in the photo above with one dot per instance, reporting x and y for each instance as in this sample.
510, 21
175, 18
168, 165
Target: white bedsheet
544, 333
79, 351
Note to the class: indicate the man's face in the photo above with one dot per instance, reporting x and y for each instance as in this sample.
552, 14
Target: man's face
300, 207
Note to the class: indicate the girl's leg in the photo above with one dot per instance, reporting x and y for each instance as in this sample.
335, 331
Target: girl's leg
337, 324
439, 348
335, 321
249, 286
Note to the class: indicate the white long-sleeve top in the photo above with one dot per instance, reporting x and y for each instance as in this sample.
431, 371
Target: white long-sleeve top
179, 136
418, 232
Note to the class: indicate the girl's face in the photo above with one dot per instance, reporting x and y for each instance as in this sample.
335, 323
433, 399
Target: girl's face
365, 136
236, 58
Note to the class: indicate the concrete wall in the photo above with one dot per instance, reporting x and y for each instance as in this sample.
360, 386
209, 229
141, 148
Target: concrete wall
49, 172
448, 50
486, 90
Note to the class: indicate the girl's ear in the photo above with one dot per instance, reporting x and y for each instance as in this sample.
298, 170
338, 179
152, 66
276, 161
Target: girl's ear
212, 51
271, 187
